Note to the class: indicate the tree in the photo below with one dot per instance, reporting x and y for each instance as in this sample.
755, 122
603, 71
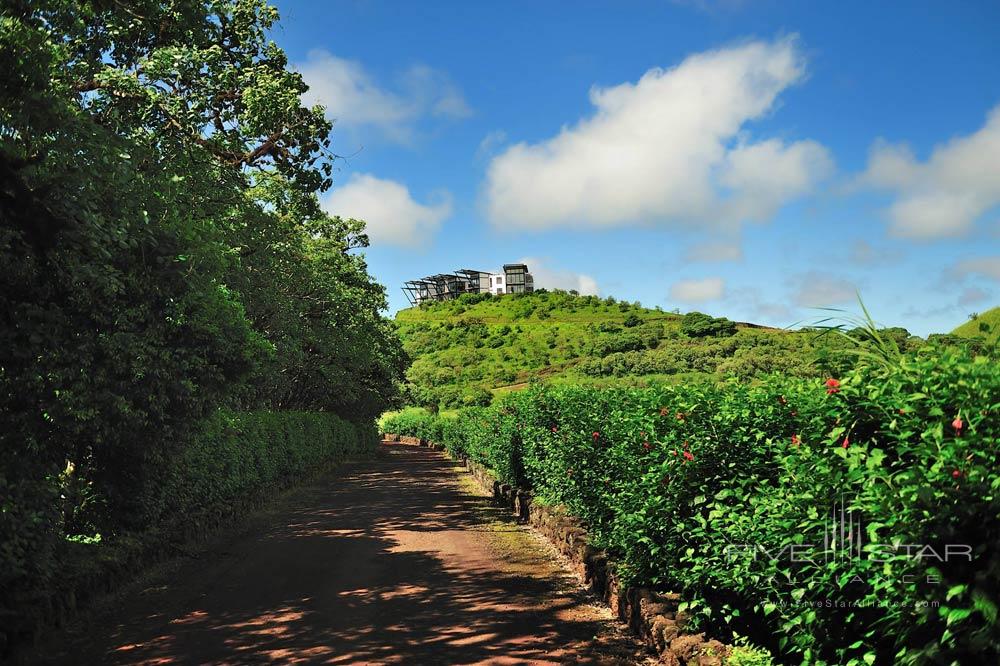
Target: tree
162, 254
699, 325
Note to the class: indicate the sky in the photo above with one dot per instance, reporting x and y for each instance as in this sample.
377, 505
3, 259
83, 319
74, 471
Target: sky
752, 159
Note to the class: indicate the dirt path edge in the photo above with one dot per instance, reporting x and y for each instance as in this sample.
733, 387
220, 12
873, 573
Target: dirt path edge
653, 616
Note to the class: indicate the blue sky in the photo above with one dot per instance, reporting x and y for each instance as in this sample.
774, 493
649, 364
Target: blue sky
751, 159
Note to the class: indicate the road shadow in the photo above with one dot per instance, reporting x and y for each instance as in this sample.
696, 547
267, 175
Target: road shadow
383, 563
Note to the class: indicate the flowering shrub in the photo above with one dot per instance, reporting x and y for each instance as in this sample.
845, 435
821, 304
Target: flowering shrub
857, 525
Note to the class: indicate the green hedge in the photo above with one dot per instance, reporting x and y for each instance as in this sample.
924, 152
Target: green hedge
230, 458
233, 454
686, 485
416, 422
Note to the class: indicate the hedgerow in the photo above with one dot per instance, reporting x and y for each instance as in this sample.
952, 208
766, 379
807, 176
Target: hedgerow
725, 492
232, 454
229, 457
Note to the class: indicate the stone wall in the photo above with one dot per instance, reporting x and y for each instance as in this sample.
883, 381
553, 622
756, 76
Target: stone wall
654, 616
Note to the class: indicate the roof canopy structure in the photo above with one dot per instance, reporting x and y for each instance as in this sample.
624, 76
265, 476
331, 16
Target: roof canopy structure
446, 286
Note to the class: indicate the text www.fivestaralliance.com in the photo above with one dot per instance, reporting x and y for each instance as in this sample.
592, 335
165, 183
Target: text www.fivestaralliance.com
855, 603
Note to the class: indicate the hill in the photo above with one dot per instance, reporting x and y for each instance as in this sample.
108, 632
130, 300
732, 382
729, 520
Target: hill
986, 325
468, 349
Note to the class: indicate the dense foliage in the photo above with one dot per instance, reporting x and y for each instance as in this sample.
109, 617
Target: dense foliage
471, 348
232, 454
726, 492
228, 458
162, 255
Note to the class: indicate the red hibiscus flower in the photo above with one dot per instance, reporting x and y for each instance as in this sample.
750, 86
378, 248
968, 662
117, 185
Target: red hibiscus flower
957, 425
832, 386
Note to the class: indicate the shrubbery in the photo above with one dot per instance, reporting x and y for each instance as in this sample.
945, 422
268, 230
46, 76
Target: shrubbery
687, 485
234, 454
700, 325
227, 458
491, 344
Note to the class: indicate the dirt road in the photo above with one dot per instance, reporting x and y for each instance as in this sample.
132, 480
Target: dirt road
398, 560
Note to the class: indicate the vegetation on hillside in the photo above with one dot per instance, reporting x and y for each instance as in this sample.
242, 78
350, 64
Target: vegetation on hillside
163, 256
466, 350
725, 492
985, 325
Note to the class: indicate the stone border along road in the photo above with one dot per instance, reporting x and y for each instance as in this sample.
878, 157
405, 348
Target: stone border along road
401, 559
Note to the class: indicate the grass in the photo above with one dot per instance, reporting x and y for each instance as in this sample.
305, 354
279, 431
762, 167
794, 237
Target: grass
468, 350
974, 327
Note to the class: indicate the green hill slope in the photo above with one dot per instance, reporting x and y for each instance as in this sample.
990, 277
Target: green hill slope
986, 325
465, 350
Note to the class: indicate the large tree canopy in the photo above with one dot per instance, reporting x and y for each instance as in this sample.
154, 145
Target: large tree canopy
162, 253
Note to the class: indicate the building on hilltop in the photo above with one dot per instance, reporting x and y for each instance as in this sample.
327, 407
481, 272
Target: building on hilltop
519, 280
515, 279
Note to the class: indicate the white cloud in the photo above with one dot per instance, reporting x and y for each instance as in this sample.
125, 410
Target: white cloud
552, 278
864, 253
750, 300
391, 214
973, 295
820, 290
353, 97
490, 143
695, 291
670, 148
433, 90
945, 195
715, 251
765, 175
988, 267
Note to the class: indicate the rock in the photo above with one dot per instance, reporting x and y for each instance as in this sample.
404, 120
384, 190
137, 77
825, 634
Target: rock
713, 653
668, 658
662, 632
687, 647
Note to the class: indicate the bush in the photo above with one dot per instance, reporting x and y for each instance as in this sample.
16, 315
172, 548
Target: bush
235, 454
743, 655
227, 458
700, 325
610, 344
686, 485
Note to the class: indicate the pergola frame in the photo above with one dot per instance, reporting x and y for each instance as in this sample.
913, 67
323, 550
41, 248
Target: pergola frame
445, 286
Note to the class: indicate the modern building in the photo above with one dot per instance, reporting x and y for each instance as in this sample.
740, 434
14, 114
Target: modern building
518, 279
515, 279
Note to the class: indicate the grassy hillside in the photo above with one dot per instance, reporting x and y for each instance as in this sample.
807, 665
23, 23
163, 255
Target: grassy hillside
467, 350
986, 325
